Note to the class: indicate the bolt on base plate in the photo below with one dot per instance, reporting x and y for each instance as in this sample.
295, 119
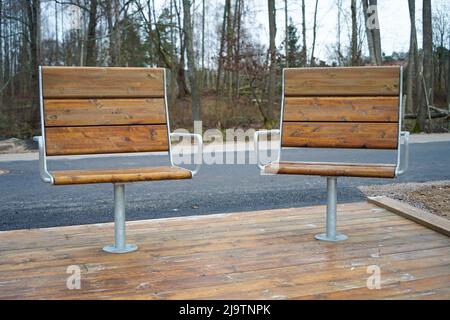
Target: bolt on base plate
128, 248
324, 237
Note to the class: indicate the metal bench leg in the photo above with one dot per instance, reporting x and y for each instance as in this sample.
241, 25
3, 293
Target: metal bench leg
331, 234
119, 226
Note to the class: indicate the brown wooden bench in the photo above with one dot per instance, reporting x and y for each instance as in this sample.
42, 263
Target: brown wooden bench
91, 111
352, 107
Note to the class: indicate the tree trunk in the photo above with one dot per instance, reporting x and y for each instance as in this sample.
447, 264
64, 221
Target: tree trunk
221, 47
312, 61
369, 34
192, 74
411, 94
203, 34
354, 44
427, 64
91, 50
272, 69
286, 34
56, 35
448, 75
376, 35
304, 49
117, 41
1, 55
33, 12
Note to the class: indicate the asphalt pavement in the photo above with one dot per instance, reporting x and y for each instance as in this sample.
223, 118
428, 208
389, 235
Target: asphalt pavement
26, 202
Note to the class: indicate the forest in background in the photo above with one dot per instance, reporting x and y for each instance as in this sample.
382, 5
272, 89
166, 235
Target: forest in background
219, 70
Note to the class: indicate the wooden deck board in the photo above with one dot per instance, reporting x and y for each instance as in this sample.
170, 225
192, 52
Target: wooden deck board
251, 255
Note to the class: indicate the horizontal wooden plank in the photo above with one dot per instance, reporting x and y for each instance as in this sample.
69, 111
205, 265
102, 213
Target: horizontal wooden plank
122, 175
272, 256
364, 170
420, 216
98, 82
342, 81
105, 139
341, 109
340, 135
92, 112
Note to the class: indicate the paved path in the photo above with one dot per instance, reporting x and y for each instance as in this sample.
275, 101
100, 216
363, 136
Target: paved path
26, 202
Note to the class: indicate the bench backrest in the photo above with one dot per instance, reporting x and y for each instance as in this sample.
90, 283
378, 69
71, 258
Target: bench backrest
103, 110
350, 107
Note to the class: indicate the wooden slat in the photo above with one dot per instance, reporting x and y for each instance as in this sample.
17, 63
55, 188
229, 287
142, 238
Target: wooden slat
343, 109
364, 170
91, 112
340, 135
85, 82
105, 139
348, 81
122, 175
228, 257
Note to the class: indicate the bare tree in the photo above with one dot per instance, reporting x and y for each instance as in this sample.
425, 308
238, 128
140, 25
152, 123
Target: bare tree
222, 43
304, 48
1, 54
427, 65
354, 43
273, 59
372, 31
91, 50
188, 34
33, 9
286, 33
411, 94
312, 61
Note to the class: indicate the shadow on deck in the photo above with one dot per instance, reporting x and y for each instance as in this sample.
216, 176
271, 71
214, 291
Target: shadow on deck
250, 255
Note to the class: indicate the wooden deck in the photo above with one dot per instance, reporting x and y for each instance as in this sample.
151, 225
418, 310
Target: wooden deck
251, 255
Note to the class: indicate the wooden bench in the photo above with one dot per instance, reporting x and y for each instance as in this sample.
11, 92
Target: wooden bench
352, 107
92, 111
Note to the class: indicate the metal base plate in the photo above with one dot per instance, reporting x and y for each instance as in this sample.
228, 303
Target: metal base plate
128, 248
323, 237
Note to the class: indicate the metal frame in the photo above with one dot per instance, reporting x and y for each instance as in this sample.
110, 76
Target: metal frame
331, 234
403, 144
45, 175
170, 135
119, 245
401, 165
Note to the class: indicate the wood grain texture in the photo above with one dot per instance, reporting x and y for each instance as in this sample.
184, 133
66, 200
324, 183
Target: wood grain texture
420, 216
92, 112
268, 254
98, 82
340, 135
362, 170
341, 109
105, 139
122, 175
342, 81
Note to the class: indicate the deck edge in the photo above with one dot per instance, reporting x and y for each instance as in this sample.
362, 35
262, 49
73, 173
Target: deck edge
417, 215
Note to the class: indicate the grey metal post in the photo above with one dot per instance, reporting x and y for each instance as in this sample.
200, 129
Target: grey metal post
331, 234
119, 225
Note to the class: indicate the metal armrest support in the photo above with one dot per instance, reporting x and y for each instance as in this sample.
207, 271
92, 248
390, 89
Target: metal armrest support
198, 159
403, 153
256, 142
45, 175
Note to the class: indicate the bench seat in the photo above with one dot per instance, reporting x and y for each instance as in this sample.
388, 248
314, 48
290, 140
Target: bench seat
122, 175
366, 170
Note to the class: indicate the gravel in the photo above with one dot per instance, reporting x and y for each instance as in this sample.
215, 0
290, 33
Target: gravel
433, 197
